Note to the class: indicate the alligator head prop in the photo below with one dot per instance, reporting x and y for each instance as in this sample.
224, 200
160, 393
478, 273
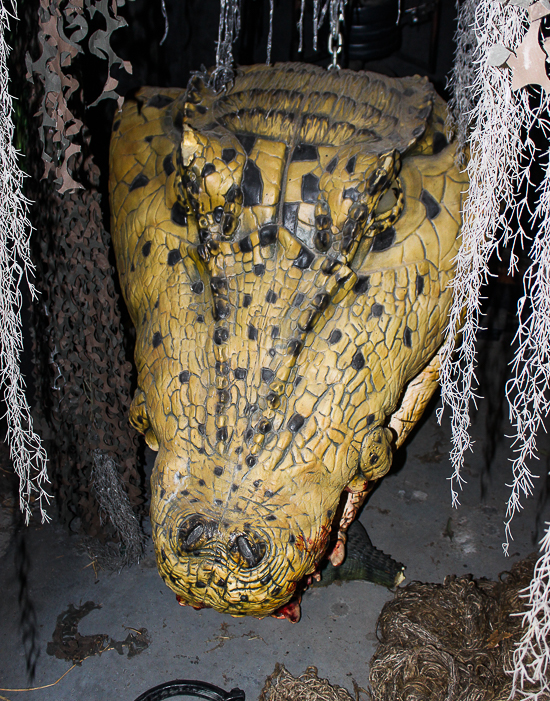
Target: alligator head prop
284, 249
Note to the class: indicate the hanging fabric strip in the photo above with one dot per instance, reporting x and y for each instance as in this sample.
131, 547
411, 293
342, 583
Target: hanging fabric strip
270, 36
228, 31
336, 17
301, 26
166, 27
319, 13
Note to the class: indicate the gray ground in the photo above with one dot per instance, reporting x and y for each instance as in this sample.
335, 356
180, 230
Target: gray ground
410, 516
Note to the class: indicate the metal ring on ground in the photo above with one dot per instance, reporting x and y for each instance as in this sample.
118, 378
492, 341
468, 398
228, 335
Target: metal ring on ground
189, 687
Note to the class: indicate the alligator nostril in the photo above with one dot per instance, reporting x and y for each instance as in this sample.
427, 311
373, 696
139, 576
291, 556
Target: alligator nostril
194, 535
248, 551
251, 552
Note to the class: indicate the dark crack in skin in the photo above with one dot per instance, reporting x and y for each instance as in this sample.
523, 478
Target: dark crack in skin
284, 249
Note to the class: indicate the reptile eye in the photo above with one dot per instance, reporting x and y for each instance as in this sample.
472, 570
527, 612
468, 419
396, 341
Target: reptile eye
386, 202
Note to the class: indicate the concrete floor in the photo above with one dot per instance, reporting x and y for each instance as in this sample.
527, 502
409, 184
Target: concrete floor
42, 571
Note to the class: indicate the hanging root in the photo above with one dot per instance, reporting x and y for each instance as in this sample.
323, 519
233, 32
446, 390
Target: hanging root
499, 121
26, 449
531, 666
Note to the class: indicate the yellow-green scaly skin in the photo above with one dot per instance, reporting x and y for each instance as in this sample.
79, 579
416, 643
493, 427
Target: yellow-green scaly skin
284, 249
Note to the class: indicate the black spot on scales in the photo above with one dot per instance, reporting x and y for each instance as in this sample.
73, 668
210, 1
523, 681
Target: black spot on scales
271, 297
252, 185
208, 169
439, 142
310, 188
431, 204
157, 339
178, 214
295, 423
358, 361
362, 285
168, 165
267, 375
228, 155
184, 376
304, 152
384, 240
198, 287
377, 310
240, 373
174, 256
350, 165
251, 460
304, 260
146, 249
245, 245
419, 284
407, 337
268, 234
252, 332
247, 142
247, 300
335, 336
139, 181
332, 165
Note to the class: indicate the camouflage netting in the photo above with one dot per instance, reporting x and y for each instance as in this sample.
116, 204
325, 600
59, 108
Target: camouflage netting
82, 375
451, 641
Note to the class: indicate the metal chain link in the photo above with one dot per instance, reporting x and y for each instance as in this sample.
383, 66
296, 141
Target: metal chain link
336, 40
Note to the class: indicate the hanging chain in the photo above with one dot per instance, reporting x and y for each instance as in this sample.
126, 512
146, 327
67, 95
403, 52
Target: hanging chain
335, 39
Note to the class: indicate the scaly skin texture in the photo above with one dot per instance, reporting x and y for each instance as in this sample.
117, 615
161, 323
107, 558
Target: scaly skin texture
284, 250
